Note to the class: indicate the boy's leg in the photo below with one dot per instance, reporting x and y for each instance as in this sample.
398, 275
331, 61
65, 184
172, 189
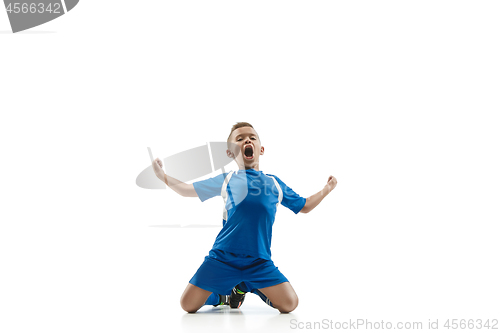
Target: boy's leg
263, 297
213, 274
281, 296
194, 298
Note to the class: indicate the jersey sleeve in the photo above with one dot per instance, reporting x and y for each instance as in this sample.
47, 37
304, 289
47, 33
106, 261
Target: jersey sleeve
209, 188
291, 200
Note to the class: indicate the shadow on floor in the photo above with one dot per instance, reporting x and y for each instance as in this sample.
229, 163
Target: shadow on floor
248, 319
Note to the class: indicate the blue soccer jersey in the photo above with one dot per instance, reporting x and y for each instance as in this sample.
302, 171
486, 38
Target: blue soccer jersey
251, 200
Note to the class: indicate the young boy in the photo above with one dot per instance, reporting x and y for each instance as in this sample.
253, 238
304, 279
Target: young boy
240, 259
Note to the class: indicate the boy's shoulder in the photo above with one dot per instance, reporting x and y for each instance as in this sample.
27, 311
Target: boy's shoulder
270, 175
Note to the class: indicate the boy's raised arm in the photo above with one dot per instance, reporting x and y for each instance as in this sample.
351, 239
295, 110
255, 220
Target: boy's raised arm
186, 190
315, 199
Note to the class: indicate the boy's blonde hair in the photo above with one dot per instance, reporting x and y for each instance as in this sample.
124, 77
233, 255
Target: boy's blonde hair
236, 126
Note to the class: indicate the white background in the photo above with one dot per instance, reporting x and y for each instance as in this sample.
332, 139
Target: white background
398, 100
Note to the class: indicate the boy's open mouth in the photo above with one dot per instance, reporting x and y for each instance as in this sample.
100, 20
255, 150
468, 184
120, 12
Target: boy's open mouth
248, 152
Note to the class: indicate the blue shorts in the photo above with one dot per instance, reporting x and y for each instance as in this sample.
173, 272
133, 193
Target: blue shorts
221, 271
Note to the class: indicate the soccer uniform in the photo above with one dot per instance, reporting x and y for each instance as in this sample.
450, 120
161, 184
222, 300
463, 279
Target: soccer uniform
241, 253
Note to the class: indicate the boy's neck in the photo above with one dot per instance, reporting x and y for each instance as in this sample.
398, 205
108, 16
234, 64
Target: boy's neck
255, 167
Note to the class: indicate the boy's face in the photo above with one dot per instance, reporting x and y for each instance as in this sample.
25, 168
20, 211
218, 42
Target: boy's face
246, 140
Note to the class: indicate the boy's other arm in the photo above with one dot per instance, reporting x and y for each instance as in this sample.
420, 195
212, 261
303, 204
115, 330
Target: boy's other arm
315, 199
186, 190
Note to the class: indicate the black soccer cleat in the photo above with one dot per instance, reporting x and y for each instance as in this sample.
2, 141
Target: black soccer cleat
223, 300
237, 297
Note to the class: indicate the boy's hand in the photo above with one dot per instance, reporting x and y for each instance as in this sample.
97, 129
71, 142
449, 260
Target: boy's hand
330, 184
157, 167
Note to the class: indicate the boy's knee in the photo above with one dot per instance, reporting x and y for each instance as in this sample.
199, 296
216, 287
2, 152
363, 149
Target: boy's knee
290, 305
189, 309
188, 306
